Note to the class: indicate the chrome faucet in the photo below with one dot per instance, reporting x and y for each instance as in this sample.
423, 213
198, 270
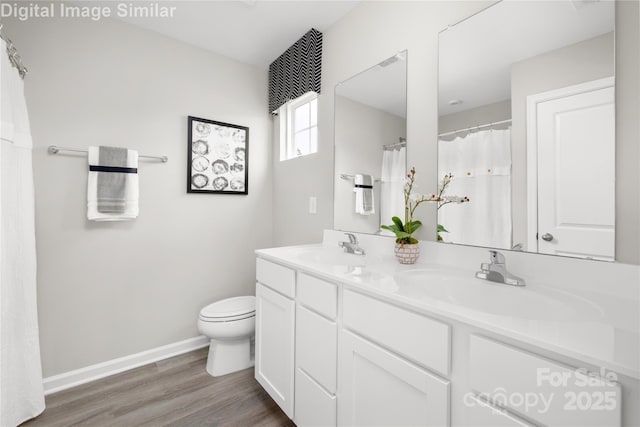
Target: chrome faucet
351, 246
496, 271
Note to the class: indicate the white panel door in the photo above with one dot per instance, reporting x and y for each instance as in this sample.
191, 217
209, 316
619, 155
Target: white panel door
275, 315
575, 138
378, 388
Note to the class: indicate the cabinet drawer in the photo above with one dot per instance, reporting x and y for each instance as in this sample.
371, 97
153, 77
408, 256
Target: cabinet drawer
318, 295
316, 347
421, 339
277, 277
314, 406
553, 393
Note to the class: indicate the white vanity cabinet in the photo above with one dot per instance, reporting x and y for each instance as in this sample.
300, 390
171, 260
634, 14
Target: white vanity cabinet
274, 346
390, 358
341, 354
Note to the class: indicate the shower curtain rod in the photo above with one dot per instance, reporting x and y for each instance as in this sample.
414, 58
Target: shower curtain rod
394, 146
54, 149
476, 127
14, 57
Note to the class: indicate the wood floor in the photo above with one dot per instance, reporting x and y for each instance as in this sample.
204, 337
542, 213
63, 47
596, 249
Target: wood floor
172, 392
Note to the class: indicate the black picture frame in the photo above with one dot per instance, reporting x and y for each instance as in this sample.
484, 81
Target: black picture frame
217, 157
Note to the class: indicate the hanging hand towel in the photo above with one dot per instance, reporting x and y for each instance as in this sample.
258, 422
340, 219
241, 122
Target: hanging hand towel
363, 187
112, 191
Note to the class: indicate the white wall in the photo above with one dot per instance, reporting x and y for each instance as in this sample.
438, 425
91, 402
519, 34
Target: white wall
112, 289
361, 133
373, 31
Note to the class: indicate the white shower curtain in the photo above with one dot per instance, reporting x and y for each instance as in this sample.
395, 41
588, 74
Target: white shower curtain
21, 391
394, 167
481, 166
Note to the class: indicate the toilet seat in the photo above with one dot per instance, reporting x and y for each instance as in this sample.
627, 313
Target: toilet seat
227, 319
230, 309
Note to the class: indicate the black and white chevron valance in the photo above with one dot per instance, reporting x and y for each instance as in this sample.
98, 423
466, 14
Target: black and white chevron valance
297, 71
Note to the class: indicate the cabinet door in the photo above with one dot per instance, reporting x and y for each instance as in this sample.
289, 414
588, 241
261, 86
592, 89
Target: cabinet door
314, 406
316, 347
274, 346
482, 414
379, 388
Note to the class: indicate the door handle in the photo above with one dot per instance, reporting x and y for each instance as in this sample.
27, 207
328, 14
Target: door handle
547, 237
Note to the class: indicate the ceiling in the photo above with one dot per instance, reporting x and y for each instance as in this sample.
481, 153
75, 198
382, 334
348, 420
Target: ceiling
383, 86
255, 32
476, 55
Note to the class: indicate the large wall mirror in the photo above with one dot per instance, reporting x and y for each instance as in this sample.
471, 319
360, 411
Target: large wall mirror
527, 128
370, 146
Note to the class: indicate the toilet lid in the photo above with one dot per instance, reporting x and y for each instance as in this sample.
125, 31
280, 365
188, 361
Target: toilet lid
230, 307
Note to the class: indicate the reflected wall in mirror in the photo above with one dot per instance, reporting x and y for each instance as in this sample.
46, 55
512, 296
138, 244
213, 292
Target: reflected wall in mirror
527, 127
370, 146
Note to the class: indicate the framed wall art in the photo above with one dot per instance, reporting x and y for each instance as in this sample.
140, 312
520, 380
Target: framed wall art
218, 157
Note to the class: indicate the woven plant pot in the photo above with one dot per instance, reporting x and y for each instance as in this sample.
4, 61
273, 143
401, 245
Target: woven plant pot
407, 253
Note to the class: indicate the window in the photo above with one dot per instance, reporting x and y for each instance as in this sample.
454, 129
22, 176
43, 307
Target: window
299, 127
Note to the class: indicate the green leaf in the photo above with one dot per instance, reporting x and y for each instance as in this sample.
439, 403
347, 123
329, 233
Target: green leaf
412, 226
403, 234
399, 233
390, 227
441, 229
398, 223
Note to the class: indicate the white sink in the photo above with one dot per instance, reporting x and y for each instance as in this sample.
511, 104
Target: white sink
462, 289
330, 257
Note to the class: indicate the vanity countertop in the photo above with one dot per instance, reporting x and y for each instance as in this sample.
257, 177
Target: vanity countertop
601, 330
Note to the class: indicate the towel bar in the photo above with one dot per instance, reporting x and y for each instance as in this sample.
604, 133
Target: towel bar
348, 177
54, 149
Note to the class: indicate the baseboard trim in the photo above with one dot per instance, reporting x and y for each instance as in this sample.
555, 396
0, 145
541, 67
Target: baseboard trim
87, 374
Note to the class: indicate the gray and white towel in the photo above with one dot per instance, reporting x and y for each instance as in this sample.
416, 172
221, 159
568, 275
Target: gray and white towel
363, 187
112, 192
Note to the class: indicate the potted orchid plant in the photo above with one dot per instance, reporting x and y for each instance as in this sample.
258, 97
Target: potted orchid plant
407, 247
443, 200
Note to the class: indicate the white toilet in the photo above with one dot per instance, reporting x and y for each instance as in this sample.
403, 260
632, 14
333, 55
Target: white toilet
230, 324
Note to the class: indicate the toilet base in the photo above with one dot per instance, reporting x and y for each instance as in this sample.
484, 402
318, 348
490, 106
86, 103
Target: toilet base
226, 357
